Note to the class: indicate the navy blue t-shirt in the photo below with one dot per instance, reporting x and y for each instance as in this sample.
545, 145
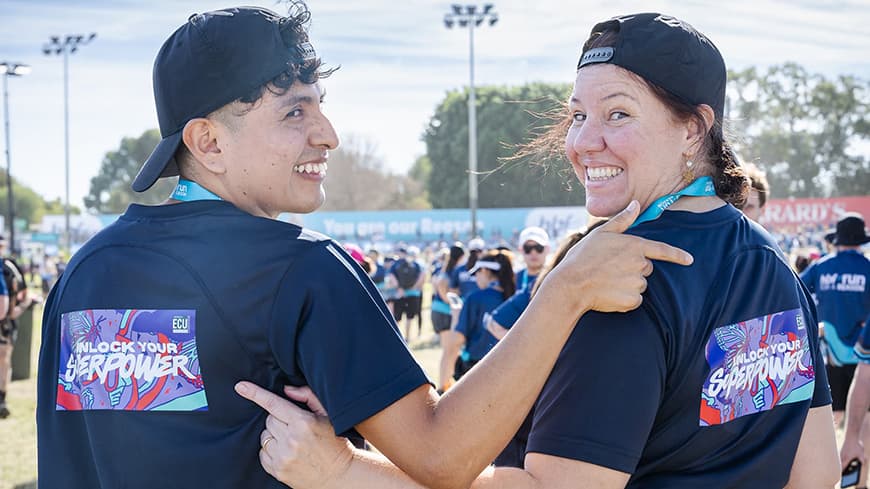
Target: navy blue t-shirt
463, 281
839, 282
708, 383
510, 310
478, 341
160, 314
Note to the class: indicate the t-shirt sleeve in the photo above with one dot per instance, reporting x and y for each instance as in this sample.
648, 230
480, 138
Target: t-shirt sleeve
601, 400
343, 338
510, 310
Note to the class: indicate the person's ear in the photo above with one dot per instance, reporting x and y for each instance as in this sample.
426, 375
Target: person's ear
697, 132
200, 135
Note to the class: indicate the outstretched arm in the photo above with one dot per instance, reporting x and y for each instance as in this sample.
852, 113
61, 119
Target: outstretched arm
304, 453
856, 410
473, 418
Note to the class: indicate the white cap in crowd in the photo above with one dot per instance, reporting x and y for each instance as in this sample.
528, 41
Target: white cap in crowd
536, 234
476, 244
491, 265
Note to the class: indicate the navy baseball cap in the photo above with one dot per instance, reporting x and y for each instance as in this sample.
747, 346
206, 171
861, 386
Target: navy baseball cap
667, 52
213, 59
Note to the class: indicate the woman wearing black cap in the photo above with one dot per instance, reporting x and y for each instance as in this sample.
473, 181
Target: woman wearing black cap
717, 380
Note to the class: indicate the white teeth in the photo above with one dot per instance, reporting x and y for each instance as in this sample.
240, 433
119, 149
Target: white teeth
319, 168
602, 173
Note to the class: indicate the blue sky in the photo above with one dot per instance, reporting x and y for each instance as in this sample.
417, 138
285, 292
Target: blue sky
397, 61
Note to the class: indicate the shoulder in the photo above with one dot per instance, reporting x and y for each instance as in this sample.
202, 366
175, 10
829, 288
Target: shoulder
324, 256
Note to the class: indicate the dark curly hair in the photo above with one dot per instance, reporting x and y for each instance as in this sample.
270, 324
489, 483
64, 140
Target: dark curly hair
294, 32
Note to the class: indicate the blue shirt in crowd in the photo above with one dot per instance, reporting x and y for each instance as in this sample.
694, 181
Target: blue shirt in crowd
839, 282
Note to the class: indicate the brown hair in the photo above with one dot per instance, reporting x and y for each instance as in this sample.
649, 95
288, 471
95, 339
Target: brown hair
505, 274
758, 181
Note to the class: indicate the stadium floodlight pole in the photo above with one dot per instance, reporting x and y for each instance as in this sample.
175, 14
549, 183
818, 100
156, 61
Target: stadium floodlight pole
66, 46
8, 69
471, 16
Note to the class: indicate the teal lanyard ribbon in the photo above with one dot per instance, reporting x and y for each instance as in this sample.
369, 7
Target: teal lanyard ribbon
702, 187
187, 191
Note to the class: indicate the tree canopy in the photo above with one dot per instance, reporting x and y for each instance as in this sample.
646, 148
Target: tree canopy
810, 133
506, 117
110, 191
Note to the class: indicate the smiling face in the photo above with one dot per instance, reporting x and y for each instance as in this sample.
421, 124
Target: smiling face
275, 151
623, 143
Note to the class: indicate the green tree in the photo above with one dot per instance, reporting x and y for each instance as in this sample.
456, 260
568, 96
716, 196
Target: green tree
506, 117
29, 205
804, 129
357, 180
110, 190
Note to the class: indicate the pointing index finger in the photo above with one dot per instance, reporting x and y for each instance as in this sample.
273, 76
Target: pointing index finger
278, 407
655, 250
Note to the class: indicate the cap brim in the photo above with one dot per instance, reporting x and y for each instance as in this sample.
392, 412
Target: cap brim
534, 239
161, 163
489, 265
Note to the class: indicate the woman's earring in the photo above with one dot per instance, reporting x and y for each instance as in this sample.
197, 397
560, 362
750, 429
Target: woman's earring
689, 173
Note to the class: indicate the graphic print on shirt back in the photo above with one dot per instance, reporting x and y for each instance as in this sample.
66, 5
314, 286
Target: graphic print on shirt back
756, 365
129, 360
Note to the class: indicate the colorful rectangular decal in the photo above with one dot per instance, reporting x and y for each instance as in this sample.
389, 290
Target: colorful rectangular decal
129, 360
756, 365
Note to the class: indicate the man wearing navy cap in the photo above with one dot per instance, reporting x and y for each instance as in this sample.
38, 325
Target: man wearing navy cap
159, 316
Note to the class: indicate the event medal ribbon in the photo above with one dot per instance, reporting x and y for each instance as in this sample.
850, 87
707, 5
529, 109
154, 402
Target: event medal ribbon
187, 191
701, 187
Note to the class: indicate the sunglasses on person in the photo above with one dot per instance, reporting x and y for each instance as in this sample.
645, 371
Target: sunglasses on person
528, 248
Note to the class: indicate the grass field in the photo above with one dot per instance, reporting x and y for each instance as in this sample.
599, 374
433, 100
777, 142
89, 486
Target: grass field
18, 432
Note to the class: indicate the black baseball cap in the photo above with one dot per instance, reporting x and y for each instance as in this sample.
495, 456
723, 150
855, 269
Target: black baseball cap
667, 52
213, 59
